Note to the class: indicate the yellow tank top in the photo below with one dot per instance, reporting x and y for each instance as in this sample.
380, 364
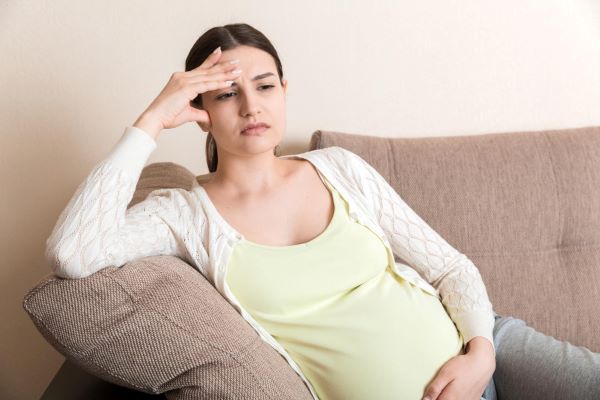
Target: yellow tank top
355, 328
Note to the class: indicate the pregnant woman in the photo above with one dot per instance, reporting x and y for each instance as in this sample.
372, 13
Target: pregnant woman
305, 247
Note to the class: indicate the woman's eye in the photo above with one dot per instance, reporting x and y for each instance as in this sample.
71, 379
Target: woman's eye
224, 96
227, 95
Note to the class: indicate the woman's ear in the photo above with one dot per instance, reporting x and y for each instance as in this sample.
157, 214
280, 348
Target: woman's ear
284, 84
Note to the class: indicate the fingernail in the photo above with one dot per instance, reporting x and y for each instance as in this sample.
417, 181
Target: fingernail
218, 49
234, 61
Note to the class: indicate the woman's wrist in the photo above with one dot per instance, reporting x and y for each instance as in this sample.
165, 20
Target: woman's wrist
148, 124
479, 344
480, 347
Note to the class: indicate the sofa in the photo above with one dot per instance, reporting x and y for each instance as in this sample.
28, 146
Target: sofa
523, 206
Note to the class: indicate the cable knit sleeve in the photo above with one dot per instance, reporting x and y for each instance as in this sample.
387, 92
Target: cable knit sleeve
452, 273
96, 230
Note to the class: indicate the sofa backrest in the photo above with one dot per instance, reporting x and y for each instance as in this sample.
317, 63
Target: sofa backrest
523, 206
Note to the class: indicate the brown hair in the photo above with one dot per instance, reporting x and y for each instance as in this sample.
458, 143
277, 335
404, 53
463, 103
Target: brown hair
228, 37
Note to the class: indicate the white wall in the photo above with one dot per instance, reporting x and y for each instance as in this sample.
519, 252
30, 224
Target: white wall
74, 74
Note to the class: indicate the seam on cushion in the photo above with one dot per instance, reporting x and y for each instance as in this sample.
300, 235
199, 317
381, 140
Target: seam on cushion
39, 287
239, 363
546, 140
258, 342
524, 253
389, 157
177, 271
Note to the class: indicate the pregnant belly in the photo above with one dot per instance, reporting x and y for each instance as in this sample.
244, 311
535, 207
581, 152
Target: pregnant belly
384, 340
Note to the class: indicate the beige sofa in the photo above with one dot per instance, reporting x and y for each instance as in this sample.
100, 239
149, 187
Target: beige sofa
524, 206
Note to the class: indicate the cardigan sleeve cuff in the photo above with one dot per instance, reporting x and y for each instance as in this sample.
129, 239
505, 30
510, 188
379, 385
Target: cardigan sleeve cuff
131, 152
476, 323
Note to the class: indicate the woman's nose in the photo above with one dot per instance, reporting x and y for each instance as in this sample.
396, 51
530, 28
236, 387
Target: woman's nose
249, 103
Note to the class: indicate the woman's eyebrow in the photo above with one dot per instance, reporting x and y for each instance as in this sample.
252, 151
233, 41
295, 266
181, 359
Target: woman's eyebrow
257, 77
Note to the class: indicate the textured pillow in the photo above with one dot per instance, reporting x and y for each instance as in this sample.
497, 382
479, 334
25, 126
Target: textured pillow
156, 325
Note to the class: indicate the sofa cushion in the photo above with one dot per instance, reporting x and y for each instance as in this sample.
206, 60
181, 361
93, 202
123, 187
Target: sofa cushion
523, 206
157, 325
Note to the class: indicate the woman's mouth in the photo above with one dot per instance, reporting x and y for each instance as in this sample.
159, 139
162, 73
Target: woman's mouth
255, 129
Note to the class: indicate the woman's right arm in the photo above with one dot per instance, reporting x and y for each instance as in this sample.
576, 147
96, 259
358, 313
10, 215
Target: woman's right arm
96, 229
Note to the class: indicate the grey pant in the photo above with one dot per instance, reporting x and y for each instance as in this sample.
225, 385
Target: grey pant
531, 365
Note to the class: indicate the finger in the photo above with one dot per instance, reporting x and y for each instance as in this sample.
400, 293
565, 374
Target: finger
207, 86
223, 66
199, 115
223, 76
210, 60
436, 387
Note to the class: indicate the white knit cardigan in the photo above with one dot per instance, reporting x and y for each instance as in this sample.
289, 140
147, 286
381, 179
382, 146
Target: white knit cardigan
96, 230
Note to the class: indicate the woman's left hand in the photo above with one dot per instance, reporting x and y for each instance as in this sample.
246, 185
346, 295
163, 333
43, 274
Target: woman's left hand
464, 376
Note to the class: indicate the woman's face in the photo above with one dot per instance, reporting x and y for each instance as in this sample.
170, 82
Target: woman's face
256, 96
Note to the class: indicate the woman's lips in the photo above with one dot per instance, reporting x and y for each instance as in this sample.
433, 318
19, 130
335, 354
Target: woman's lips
255, 131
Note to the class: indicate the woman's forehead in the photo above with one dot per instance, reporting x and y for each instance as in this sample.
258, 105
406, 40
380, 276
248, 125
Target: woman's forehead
249, 56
